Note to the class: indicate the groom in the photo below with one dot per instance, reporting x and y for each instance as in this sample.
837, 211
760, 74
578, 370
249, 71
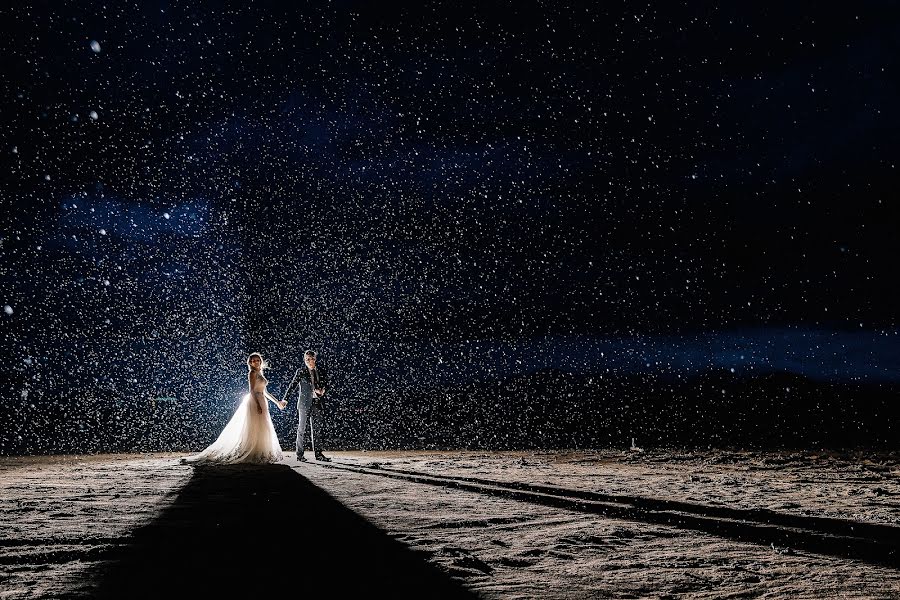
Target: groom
310, 382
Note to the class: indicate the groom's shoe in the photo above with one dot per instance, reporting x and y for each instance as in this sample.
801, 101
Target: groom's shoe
322, 458
301, 458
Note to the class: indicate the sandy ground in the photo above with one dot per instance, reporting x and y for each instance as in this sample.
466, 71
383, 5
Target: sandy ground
59, 515
63, 520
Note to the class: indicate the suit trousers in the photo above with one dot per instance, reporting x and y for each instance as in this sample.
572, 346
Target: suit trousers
310, 409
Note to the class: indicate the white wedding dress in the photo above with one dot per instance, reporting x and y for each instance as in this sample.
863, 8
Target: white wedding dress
249, 437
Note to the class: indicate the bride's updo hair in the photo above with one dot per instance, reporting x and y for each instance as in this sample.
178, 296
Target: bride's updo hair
262, 362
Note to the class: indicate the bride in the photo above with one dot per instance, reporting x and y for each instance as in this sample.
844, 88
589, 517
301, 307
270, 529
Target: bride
249, 437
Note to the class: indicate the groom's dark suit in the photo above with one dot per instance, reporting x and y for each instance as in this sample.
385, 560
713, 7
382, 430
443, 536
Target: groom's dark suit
309, 406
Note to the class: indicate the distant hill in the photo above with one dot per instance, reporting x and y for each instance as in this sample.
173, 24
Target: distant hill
555, 409
544, 409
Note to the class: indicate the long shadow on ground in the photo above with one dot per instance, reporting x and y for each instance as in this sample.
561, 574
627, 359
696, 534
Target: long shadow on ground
243, 531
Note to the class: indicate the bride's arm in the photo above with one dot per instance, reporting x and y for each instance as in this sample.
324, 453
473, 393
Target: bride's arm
275, 400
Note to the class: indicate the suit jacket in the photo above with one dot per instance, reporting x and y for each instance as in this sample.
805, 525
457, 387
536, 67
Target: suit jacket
302, 385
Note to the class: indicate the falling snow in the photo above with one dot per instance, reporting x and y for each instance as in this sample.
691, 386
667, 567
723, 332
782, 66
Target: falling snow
533, 228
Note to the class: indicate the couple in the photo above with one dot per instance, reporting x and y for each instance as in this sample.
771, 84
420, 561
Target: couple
249, 437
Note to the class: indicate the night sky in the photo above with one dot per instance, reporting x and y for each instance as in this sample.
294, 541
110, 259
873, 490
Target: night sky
510, 185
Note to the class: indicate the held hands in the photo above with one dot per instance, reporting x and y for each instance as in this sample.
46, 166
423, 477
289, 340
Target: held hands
282, 404
319, 392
